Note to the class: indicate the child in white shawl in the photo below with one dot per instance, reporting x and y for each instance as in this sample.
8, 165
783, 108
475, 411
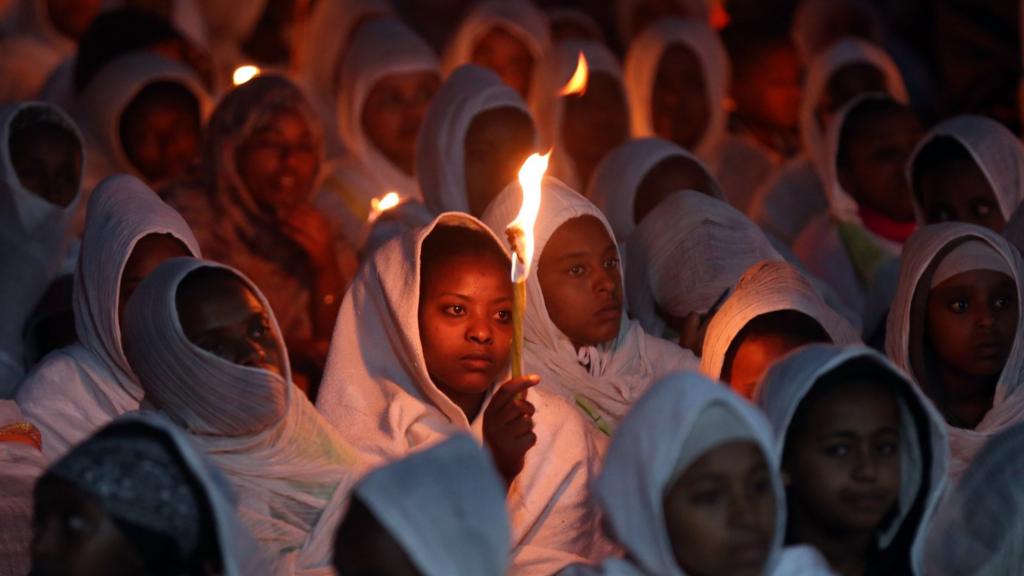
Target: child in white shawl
967, 169
451, 522
77, 389
979, 528
671, 484
636, 176
955, 327
580, 128
209, 355
477, 134
772, 310
576, 331
41, 158
509, 37
140, 491
421, 351
864, 455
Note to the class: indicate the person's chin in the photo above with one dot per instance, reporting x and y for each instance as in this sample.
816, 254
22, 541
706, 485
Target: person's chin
474, 382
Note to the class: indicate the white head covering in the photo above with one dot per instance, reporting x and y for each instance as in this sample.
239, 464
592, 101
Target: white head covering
104, 99
289, 466
440, 150
550, 75
520, 18
694, 9
617, 178
921, 255
452, 520
843, 52
376, 391
681, 418
34, 235
788, 382
379, 48
816, 23
979, 528
641, 73
996, 151
611, 376
20, 466
765, 288
687, 254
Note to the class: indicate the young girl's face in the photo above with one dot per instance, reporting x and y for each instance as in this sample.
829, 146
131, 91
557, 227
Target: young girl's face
668, 176
720, 513
960, 192
843, 459
148, 253
160, 133
579, 275
972, 320
507, 56
48, 161
753, 357
393, 113
224, 317
769, 92
278, 163
595, 122
465, 321
680, 110
497, 143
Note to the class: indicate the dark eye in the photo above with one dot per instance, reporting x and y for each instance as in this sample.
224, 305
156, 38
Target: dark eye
1002, 302
707, 497
982, 209
455, 310
611, 263
958, 306
837, 450
504, 316
887, 448
576, 271
941, 216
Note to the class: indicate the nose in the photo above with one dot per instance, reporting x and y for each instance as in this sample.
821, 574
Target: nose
742, 512
866, 468
252, 355
606, 280
479, 332
986, 317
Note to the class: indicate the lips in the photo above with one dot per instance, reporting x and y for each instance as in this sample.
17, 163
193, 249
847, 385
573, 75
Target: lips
477, 362
867, 501
610, 312
751, 552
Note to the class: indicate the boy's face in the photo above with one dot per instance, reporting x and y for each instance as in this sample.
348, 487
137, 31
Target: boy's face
393, 113
465, 321
720, 513
507, 56
579, 275
960, 192
279, 163
843, 461
149, 252
873, 170
972, 321
670, 175
160, 136
596, 121
680, 111
48, 161
497, 143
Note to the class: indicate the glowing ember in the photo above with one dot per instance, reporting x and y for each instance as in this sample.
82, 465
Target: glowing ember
385, 202
520, 231
243, 74
577, 85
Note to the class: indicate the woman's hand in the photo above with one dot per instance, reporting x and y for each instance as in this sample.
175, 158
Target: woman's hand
308, 228
508, 426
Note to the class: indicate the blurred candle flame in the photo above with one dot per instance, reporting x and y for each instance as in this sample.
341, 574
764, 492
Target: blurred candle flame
577, 85
520, 230
243, 74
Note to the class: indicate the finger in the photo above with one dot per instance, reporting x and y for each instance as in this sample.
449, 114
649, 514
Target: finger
520, 385
507, 391
519, 427
525, 442
510, 413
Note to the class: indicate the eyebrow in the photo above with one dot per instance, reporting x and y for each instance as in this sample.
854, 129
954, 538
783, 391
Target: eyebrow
574, 255
455, 295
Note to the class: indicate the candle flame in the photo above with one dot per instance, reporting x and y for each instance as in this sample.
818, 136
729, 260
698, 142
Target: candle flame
385, 202
577, 85
520, 231
243, 74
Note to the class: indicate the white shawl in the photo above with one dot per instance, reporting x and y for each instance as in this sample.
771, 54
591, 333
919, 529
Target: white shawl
618, 177
605, 380
789, 381
686, 255
452, 520
377, 393
440, 151
520, 18
550, 75
996, 151
920, 257
34, 238
20, 466
77, 389
765, 288
641, 72
379, 48
292, 471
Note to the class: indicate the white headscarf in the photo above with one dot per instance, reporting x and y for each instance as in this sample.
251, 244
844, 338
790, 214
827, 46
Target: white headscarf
624, 11
520, 18
788, 382
605, 380
291, 469
655, 445
440, 151
979, 529
78, 389
34, 237
641, 71
687, 254
765, 288
379, 48
20, 466
452, 520
996, 151
104, 99
618, 177
550, 75
921, 255
376, 391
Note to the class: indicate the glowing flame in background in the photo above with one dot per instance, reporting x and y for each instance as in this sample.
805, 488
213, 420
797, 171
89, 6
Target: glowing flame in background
243, 74
520, 230
577, 85
385, 202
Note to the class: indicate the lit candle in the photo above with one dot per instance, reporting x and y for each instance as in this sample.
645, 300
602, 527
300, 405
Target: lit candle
243, 74
382, 204
577, 85
520, 236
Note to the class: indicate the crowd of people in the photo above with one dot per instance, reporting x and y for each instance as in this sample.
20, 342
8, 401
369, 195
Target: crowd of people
259, 316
